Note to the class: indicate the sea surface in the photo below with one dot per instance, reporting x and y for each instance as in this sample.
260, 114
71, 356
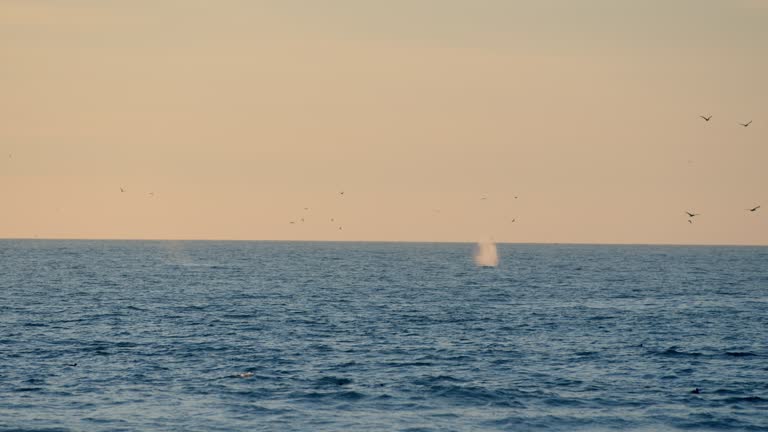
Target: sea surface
292, 336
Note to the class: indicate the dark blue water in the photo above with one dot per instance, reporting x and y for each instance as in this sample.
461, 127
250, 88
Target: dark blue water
202, 336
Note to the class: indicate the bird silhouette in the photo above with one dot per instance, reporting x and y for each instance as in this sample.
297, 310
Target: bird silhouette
746, 124
692, 215
753, 209
706, 118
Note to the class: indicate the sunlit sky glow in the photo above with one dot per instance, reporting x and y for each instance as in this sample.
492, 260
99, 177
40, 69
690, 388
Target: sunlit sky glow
236, 115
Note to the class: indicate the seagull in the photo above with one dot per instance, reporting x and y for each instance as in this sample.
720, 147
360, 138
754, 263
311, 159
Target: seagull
692, 215
706, 118
746, 124
245, 374
753, 209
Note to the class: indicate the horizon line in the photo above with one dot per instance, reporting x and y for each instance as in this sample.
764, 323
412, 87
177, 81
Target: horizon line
378, 241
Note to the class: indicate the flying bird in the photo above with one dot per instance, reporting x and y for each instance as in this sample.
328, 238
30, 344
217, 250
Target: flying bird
746, 124
753, 209
706, 118
692, 215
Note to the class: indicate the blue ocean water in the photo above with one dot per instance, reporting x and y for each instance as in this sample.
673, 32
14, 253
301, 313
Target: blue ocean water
206, 336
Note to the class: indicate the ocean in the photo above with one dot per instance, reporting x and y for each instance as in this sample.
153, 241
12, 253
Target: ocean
313, 336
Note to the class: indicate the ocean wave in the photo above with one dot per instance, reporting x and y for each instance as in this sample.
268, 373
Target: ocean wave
475, 395
676, 352
744, 399
740, 354
345, 396
332, 381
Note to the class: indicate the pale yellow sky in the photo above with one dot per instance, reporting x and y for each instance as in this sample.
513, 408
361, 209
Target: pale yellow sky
238, 114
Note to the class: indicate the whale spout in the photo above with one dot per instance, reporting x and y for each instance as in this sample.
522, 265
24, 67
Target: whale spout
486, 255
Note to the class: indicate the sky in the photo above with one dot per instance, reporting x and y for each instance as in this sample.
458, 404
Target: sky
552, 121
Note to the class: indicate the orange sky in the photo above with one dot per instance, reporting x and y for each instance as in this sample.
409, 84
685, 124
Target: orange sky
239, 114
